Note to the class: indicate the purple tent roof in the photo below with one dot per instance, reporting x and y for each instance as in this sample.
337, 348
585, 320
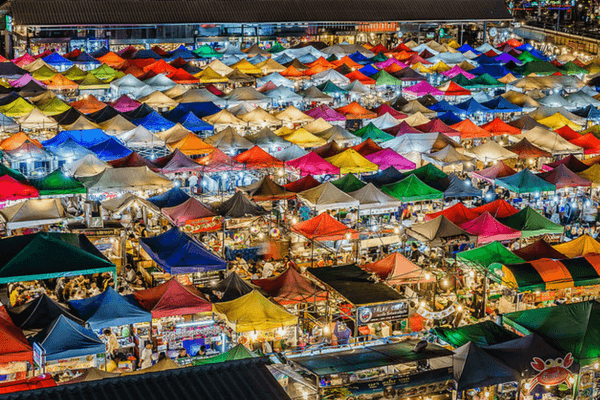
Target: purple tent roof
125, 103
422, 88
388, 62
24, 80
455, 71
312, 164
505, 57
389, 158
325, 112
188, 210
176, 162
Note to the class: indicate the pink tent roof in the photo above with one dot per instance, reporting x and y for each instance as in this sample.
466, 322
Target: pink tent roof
499, 170
455, 71
24, 80
488, 229
312, 164
402, 128
125, 103
389, 158
422, 88
325, 112
23, 60
437, 125
388, 62
188, 210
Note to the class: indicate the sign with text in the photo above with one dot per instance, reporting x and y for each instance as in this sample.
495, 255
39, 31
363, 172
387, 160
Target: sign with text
382, 312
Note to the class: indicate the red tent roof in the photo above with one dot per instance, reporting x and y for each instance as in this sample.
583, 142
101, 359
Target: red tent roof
324, 227
188, 210
367, 147
302, 184
497, 208
380, 49
291, 288
38, 382
160, 67
454, 89
537, 250
14, 346
458, 214
401, 47
355, 111
567, 133
172, 298
437, 125
217, 161
396, 269
359, 76
468, 130
526, 150
563, 177
402, 128
488, 229
570, 161
257, 158
498, 170
11, 189
387, 109
589, 142
159, 50
183, 77
132, 160
499, 127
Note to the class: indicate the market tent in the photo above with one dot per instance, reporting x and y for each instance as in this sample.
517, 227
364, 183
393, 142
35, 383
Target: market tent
312, 164
485, 333
485, 256
525, 182
176, 162
191, 145
231, 288
367, 147
56, 183
302, 184
239, 206
11, 189
531, 223
474, 368
178, 253
439, 231
266, 189
172, 299
238, 352
538, 249
384, 177
38, 314
90, 375
570, 161
33, 212
110, 149
460, 188
396, 269
267, 139
324, 227
499, 127
109, 309
348, 183
228, 139
327, 196
304, 138
89, 165
14, 347
370, 131
581, 246
257, 158
411, 189
290, 287
562, 177
133, 178
526, 150
488, 229
253, 312
389, 158
592, 174
118, 204
371, 198
491, 151
355, 111
496, 171
448, 157
140, 137
549, 141
190, 210
468, 130
458, 214
570, 328
350, 161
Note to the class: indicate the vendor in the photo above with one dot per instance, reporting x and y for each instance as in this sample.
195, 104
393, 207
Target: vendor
182, 353
112, 344
342, 333
146, 356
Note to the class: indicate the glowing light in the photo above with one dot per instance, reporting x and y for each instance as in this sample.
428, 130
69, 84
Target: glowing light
427, 276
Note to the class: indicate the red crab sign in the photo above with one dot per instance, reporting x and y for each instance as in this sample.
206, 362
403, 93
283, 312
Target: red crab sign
551, 372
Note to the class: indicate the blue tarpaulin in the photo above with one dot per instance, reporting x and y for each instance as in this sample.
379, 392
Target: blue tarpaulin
460, 188
200, 110
178, 253
64, 339
170, 198
368, 70
444, 106
501, 105
358, 57
193, 123
110, 150
86, 138
154, 122
182, 52
109, 309
449, 118
472, 106
385, 177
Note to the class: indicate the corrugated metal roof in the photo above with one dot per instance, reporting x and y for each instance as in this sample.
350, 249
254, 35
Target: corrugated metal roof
83, 12
247, 379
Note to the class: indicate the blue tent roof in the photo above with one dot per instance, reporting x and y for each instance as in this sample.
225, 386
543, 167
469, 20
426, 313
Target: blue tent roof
257, 59
64, 339
182, 52
495, 70
307, 58
358, 57
86, 138
110, 150
466, 47
69, 150
85, 58
56, 59
154, 122
449, 118
485, 60
369, 70
109, 309
178, 253
444, 106
472, 106
460, 188
201, 110
501, 105
589, 112
170, 198
387, 176
145, 54
195, 124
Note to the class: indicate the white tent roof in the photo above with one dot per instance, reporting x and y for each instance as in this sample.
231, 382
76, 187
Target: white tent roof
89, 165
140, 137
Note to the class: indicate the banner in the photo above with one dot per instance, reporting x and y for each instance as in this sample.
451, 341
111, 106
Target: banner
436, 314
382, 312
207, 224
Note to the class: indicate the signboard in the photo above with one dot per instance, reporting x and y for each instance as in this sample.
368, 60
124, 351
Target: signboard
425, 313
38, 355
382, 312
208, 224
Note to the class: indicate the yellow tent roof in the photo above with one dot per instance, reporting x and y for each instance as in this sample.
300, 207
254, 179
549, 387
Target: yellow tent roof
304, 138
318, 125
268, 66
158, 99
557, 121
283, 131
254, 312
219, 67
508, 78
440, 67
591, 174
421, 68
416, 119
244, 66
17, 108
223, 117
209, 75
350, 161
579, 247
454, 44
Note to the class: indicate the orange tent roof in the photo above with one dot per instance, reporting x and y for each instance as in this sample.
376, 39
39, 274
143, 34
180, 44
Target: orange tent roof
362, 78
60, 82
87, 105
324, 227
454, 89
356, 111
348, 61
16, 141
218, 161
316, 69
390, 69
291, 72
183, 77
469, 130
380, 49
322, 62
160, 67
257, 158
134, 70
403, 55
111, 59
192, 145
396, 269
499, 127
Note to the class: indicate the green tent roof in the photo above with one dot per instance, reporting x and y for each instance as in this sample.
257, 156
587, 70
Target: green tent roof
332, 57
49, 255
429, 173
462, 80
486, 256
525, 182
483, 334
527, 57
349, 183
278, 48
410, 189
58, 183
372, 132
539, 68
531, 223
206, 51
572, 328
485, 80
75, 73
383, 78
16, 175
330, 87
379, 57
92, 82
238, 352
17, 108
571, 68
44, 73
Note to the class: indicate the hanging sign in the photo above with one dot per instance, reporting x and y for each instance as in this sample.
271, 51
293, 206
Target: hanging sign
551, 372
382, 312
425, 313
